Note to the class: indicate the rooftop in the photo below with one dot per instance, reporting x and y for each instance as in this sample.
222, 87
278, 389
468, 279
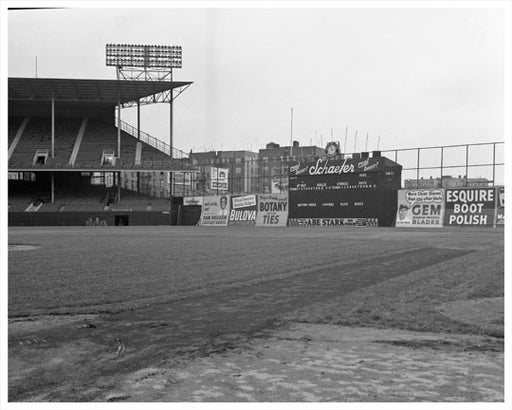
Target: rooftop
86, 90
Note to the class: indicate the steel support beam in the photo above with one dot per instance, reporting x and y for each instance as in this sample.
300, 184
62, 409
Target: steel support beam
119, 129
53, 125
138, 119
53, 187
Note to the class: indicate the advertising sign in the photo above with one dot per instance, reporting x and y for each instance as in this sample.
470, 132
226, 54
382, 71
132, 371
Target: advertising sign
345, 188
243, 210
215, 210
500, 206
326, 222
182, 178
337, 167
219, 179
272, 210
192, 200
420, 208
279, 184
470, 207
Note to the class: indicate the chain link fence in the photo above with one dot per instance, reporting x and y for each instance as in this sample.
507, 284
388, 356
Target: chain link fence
446, 166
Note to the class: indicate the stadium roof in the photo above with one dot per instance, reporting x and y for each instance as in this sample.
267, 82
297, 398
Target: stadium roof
80, 90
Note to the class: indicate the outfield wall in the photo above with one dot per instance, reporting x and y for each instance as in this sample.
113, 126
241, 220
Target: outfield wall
417, 208
431, 208
106, 218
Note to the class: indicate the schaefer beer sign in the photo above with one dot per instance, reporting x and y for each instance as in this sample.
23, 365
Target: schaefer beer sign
336, 167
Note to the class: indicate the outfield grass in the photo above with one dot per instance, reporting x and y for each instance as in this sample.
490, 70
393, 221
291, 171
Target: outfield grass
417, 301
94, 269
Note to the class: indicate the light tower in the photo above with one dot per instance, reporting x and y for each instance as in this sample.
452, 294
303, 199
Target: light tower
137, 62
148, 63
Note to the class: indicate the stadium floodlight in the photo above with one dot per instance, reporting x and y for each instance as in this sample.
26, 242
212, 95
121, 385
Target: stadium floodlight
143, 56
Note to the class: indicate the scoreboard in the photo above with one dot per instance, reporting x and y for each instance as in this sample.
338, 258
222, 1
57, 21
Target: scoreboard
347, 191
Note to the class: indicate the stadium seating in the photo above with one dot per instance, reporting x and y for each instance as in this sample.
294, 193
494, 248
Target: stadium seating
22, 194
19, 203
139, 202
65, 135
152, 155
76, 199
98, 136
37, 136
14, 125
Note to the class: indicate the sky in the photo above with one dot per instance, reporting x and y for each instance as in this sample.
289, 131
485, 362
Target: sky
415, 77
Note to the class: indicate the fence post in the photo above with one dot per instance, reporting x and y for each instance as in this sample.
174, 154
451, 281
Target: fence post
467, 158
281, 174
418, 170
258, 161
493, 164
442, 153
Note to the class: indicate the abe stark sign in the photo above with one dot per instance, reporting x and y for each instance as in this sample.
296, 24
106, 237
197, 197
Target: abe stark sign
470, 207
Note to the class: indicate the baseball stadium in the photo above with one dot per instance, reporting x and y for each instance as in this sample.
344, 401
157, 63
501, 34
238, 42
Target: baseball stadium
142, 273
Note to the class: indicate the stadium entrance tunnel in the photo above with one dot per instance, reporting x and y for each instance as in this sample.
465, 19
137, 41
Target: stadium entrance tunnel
122, 220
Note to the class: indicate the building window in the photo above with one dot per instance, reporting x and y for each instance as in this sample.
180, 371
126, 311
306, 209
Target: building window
238, 170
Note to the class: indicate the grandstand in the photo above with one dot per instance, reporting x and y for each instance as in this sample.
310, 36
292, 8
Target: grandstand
63, 140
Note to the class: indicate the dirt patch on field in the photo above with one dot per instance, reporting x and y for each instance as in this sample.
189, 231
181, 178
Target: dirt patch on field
330, 363
32, 324
487, 313
16, 247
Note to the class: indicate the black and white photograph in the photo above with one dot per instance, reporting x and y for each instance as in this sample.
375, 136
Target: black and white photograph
274, 203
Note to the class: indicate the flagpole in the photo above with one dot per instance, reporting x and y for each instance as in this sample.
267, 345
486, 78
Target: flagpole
291, 131
345, 146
